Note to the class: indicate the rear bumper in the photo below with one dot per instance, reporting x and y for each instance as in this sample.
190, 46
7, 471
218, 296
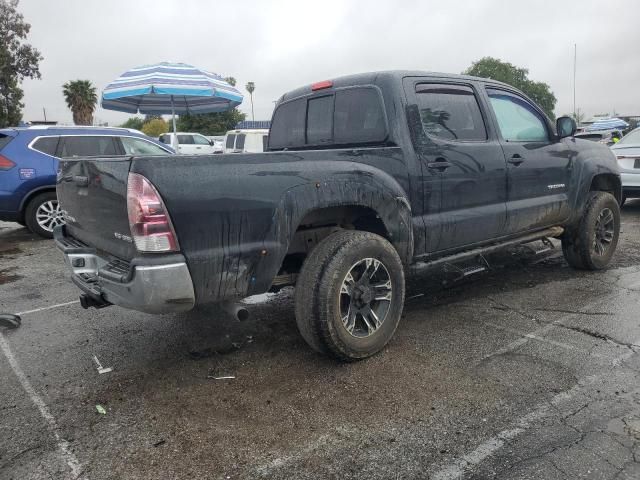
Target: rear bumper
151, 285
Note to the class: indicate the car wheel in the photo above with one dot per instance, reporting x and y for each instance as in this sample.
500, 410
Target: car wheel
593, 242
43, 214
349, 295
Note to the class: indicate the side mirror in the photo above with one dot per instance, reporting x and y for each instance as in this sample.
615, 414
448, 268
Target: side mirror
566, 127
211, 142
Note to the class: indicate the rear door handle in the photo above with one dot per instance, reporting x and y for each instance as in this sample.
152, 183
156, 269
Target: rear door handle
516, 160
440, 164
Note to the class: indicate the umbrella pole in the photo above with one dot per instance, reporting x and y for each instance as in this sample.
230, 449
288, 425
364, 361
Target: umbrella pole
174, 137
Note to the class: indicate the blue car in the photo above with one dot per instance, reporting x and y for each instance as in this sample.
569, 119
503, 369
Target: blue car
29, 162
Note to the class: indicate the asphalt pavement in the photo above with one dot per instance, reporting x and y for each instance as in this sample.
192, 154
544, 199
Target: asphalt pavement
528, 371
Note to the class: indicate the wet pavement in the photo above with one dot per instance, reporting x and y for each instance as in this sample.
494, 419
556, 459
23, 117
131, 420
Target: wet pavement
529, 371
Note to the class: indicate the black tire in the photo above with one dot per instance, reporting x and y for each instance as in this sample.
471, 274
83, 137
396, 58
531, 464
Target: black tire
593, 242
320, 303
34, 207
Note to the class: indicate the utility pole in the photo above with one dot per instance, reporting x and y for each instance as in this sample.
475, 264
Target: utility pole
575, 58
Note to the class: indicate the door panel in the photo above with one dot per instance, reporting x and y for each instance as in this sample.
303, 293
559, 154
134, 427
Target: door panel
454, 144
539, 166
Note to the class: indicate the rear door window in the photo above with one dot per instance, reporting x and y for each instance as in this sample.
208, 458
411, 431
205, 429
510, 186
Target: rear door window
185, 140
231, 140
47, 145
450, 112
88, 146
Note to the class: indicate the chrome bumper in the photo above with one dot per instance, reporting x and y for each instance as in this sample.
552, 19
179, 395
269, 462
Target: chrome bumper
152, 287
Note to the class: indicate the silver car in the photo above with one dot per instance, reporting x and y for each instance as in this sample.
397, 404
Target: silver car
627, 151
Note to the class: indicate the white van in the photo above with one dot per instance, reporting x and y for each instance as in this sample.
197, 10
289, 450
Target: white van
191, 143
246, 141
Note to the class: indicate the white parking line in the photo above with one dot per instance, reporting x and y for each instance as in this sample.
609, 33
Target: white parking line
537, 338
48, 308
456, 469
63, 446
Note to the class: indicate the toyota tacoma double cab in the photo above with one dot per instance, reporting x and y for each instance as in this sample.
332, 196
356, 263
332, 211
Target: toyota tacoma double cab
366, 178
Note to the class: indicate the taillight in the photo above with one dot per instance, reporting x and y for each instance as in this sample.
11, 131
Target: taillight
5, 163
149, 220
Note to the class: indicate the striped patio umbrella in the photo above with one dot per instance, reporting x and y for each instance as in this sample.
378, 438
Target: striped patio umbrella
175, 88
607, 124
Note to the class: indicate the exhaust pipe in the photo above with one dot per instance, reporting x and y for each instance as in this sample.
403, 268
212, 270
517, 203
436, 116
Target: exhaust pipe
236, 310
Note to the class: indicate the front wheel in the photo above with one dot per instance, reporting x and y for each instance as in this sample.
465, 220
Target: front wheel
591, 244
43, 214
349, 295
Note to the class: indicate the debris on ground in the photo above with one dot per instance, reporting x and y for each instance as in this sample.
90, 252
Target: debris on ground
101, 410
10, 320
223, 377
100, 368
159, 443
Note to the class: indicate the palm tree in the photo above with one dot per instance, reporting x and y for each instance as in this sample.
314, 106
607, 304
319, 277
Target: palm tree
81, 99
251, 87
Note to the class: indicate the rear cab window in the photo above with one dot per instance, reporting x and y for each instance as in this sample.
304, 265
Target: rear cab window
344, 116
231, 140
240, 141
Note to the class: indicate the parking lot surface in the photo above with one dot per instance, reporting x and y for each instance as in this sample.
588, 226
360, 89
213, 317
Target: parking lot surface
529, 371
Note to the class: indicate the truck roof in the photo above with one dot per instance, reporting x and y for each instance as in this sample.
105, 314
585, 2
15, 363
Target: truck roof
370, 78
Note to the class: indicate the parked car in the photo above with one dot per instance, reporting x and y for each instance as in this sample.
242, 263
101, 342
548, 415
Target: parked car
606, 137
218, 143
366, 178
191, 143
627, 151
246, 141
29, 161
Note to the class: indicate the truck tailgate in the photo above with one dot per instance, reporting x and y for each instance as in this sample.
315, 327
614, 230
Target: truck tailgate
93, 194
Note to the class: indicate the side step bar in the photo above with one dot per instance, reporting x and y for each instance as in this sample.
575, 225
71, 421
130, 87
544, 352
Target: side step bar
532, 237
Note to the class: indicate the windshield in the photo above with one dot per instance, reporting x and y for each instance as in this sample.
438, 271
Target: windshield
632, 138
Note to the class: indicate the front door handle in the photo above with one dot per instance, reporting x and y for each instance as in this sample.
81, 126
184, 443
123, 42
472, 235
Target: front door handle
516, 160
440, 164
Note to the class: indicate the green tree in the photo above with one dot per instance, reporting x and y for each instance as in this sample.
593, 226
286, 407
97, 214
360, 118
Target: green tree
251, 87
155, 127
231, 81
81, 99
539, 92
18, 60
210, 123
133, 122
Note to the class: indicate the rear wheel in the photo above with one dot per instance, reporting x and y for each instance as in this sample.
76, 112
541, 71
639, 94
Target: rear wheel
43, 214
593, 242
349, 295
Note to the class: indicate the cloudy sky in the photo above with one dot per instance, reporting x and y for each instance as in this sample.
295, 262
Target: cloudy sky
281, 45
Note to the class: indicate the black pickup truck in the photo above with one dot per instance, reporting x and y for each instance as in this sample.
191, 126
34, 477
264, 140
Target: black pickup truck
366, 177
